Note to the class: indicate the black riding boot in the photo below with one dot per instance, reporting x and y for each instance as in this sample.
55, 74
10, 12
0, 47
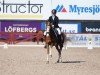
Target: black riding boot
60, 41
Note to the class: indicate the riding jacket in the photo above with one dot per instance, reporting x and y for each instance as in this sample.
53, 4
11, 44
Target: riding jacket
54, 21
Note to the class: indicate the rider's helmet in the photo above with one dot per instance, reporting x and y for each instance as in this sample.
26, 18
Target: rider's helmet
54, 11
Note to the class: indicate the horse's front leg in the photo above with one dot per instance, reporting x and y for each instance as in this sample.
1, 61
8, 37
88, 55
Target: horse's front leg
47, 54
50, 51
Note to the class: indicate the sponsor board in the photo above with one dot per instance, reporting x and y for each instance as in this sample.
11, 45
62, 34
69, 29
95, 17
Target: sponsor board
77, 10
41, 9
25, 9
83, 40
90, 27
96, 40
77, 40
20, 26
71, 28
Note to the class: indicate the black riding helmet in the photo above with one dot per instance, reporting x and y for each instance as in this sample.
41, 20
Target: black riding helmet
54, 11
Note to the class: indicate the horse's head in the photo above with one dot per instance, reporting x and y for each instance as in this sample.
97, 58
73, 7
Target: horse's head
48, 27
48, 24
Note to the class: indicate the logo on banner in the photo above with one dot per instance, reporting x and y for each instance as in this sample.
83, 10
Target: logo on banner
29, 7
61, 8
94, 9
71, 28
92, 29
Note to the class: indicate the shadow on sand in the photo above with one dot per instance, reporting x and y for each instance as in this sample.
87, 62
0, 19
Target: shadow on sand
73, 61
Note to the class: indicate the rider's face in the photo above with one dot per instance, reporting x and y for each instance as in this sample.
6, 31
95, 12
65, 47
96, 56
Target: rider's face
53, 12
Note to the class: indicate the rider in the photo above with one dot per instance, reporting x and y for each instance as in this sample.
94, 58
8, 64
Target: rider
54, 20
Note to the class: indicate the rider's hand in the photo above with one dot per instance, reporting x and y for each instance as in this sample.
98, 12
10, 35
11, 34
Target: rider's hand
53, 26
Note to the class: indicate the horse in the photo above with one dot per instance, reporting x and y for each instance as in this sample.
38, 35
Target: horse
51, 39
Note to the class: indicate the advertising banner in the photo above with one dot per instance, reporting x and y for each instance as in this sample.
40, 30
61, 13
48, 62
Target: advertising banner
20, 26
71, 27
77, 40
77, 9
21, 29
91, 27
83, 40
41, 9
96, 40
25, 9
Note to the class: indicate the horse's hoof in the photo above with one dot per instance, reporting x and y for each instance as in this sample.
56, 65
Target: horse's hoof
58, 61
47, 62
61, 61
45, 46
51, 56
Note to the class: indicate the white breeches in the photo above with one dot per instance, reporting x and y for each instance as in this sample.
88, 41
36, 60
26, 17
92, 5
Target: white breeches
59, 31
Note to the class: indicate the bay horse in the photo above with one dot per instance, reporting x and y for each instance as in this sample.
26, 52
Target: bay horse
51, 39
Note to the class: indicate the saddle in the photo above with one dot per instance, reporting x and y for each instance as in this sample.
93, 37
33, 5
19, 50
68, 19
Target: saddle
54, 35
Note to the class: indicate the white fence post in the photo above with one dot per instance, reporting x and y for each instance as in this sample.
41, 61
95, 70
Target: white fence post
5, 46
90, 41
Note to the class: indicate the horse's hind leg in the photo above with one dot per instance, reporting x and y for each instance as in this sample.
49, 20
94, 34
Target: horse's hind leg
59, 56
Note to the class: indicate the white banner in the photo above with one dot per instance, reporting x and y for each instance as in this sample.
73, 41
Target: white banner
77, 40
77, 9
41, 9
25, 9
83, 40
69, 28
96, 40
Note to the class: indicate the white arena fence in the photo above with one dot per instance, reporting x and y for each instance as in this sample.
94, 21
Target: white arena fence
83, 40
74, 40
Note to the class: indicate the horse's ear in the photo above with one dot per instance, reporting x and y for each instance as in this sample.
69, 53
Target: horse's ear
46, 21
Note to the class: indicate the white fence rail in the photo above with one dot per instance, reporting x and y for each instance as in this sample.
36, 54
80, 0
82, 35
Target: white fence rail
83, 40
74, 40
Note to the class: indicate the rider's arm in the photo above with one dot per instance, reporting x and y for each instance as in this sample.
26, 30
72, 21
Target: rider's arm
57, 21
50, 19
